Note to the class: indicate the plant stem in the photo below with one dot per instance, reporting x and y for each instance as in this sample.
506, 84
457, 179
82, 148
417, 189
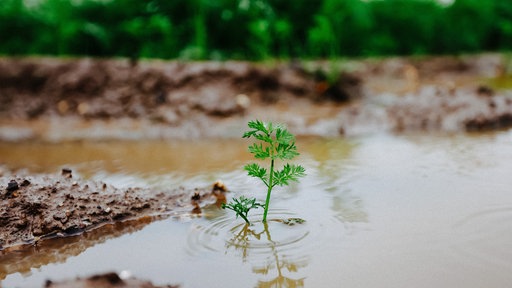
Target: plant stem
270, 186
245, 218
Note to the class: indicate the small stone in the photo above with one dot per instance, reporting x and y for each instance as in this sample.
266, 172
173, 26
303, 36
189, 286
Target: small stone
12, 186
243, 101
83, 108
66, 172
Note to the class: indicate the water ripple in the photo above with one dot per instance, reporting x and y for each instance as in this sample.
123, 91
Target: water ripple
282, 235
486, 237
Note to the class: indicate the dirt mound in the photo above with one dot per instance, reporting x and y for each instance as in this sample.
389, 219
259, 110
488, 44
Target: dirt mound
430, 109
68, 99
164, 91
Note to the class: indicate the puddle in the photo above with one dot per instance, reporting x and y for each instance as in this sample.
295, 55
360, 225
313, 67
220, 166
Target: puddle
380, 211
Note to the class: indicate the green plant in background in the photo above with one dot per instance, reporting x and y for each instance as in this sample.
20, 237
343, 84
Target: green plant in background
275, 142
256, 30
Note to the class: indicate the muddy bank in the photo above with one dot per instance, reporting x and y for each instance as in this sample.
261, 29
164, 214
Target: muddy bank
181, 99
62, 99
431, 108
50, 218
38, 207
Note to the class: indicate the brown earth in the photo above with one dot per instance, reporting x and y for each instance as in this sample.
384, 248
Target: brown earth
38, 207
62, 99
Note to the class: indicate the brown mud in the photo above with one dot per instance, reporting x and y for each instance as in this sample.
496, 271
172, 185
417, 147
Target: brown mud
63, 99
38, 207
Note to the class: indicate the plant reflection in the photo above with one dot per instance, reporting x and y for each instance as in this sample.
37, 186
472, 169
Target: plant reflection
277, 270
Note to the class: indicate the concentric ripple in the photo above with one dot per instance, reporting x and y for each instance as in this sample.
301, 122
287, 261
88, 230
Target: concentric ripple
283, 234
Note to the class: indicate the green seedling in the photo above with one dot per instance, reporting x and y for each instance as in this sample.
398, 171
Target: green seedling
275, 142
242, 206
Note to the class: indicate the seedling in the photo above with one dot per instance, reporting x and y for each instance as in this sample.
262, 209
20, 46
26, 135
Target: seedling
275, 143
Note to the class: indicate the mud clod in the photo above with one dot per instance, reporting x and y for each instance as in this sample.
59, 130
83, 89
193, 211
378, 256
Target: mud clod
484, 90
67, 173
196, 196
107, 280
25, 183
12, 186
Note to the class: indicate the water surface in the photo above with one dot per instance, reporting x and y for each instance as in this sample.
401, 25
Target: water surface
380, 211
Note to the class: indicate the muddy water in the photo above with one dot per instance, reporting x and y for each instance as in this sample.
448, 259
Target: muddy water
380, 211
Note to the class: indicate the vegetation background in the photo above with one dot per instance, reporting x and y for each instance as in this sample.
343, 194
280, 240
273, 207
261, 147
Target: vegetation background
252, 29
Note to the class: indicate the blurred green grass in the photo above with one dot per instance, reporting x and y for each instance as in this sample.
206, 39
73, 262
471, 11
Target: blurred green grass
252, 29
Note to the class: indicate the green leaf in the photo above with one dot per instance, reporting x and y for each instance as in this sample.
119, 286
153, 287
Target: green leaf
264, 138
249, 134
286, 151
283, 136
255, 170
259, 151
242, 206
259, 126
288, 173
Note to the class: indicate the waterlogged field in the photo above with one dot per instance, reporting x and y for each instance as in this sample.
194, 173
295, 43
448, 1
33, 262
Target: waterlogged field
380, 211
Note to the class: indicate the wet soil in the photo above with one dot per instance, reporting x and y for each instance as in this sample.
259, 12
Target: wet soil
38, 207
62, 99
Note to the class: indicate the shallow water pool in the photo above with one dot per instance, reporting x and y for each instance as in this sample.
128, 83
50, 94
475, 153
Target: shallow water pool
380, 211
